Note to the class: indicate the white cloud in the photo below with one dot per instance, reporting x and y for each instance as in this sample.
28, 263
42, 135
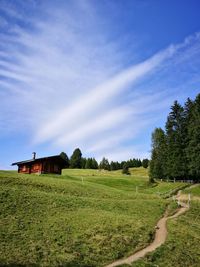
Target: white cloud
71, 116
75, 91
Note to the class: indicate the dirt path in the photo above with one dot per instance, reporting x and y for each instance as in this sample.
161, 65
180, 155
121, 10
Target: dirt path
160, 237
185, 197
194, 185
181, 197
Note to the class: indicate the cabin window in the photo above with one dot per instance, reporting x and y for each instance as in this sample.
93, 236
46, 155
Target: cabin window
35, 167
23, 168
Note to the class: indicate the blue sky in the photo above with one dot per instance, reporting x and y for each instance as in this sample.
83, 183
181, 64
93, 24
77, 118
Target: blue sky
98, 75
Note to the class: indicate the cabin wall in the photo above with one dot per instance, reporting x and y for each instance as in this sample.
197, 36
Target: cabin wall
51, 167
36, 167
24, 169
47, 166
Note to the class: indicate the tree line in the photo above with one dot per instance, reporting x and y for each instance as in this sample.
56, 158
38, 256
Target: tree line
76, 161
176, 149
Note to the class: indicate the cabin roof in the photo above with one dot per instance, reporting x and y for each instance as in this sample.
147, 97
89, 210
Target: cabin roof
56, 157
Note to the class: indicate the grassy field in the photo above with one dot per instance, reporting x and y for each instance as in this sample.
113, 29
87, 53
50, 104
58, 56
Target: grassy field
182, 246
195, 191
142, 172
81, 218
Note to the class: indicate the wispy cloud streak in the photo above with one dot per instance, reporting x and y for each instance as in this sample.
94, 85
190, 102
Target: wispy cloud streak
100, 94
75, 91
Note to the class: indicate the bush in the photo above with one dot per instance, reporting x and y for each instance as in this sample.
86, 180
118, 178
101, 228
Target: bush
125, 169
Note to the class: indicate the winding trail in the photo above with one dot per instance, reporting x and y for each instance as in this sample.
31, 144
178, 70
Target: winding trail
160, 236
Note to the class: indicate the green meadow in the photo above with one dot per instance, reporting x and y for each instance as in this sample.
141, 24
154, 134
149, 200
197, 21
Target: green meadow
182, 246
83, 217
194, 191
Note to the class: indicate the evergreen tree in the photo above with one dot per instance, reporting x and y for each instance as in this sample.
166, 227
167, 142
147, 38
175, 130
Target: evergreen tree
138, 163
176, 154
130, 163
83, 163
65, 157
133, 163
145, 163
104, 164
125, 169
115, 165
118, 166
112, 166
94, 164
158, 155
88, 164
76, 159
91, 163
188, 124
193, 147
176, 136
122, 164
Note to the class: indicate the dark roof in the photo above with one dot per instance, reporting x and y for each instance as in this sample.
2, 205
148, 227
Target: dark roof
58, 157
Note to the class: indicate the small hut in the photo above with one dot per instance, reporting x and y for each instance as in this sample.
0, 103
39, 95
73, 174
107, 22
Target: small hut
52, 164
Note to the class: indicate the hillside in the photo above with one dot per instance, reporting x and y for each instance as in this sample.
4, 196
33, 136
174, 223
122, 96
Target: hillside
82, 218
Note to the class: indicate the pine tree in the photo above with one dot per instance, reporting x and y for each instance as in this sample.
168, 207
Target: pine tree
94, 164
125, 169
83, 162
112, 166
193, 147
65, 157
88, 164
104, 164
176, 134
145, 163
76, 159
176, 153
158, 155
91, 163
139, 163
188, 124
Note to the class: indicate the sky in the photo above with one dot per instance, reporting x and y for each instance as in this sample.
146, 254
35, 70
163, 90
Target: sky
94, 75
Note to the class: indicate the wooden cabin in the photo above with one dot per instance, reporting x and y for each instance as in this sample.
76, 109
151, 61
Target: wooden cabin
52, 164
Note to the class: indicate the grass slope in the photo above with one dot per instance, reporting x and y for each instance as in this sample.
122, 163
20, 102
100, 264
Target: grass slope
82, 218
182, 246
195, 191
